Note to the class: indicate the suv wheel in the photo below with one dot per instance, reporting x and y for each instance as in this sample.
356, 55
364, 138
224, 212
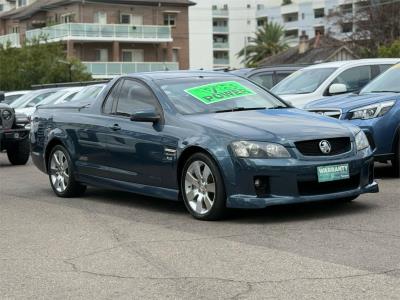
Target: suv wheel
61, 174
18, 152
202, 188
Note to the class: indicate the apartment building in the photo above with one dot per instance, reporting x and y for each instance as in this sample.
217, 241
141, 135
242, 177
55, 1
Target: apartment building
110, 37
6, 5
221, 28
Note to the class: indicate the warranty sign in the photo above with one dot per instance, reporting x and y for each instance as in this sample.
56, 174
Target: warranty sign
220, 91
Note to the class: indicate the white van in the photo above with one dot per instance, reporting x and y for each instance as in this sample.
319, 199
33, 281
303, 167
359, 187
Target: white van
328, 79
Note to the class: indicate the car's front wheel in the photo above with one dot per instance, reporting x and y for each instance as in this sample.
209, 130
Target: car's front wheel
202, 188
396, 159
61, 174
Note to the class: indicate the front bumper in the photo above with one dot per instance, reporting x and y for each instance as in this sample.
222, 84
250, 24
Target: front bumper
8, 136
295, 181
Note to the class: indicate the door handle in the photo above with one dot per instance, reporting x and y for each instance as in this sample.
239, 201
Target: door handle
115, 127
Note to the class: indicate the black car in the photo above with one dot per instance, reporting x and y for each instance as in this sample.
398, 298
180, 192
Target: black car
13, 134
268, 76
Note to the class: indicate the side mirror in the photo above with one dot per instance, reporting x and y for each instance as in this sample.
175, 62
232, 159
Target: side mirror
146, 116
2, 96
337, 88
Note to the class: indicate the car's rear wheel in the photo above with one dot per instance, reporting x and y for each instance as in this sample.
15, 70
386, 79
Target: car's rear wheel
396, 159
61, 174
18, 152
202, 188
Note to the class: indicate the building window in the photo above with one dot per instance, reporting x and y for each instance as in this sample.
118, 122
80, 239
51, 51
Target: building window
101, 55
291, 17
292, 34
320, 30
262, 21
170, 19
175, 55
132, 55
1, 7
319, 13
260, 6
214, 7
286, 2
346, 8
22, 3
248, 6
125, 19
67, 18
347, 27
100, 17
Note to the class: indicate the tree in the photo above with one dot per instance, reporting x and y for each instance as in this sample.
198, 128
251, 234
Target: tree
370, 24
392, 50
38, 63
269, 40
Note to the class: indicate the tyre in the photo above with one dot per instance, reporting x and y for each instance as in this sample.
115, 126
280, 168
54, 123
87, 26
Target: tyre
396, 159
61, 174
18, 152
202, 188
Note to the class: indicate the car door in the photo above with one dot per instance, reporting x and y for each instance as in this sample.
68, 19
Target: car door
137, 152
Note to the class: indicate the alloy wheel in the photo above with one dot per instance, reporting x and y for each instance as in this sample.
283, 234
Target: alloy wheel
59, 171
200, 187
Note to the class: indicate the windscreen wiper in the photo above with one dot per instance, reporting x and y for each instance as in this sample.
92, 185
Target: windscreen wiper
239, 109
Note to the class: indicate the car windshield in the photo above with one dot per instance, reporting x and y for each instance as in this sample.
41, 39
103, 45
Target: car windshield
89, 92
201, 94
21, 100
387, 82
303, 81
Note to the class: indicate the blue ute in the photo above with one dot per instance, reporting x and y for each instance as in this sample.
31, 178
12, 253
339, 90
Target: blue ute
213, 140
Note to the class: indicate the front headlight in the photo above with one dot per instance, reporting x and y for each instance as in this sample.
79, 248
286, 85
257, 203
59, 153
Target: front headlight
361, 140
259, 150
371, 111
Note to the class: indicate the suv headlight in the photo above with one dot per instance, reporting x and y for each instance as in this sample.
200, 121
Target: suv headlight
361, 140
259, 150
371, 111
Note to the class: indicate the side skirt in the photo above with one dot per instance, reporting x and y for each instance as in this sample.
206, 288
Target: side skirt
146, 190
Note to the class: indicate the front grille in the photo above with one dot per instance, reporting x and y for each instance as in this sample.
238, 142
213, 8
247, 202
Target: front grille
333, 113
309, 188
311, 148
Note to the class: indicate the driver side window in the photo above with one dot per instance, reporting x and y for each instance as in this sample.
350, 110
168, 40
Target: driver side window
355, 78
134, 97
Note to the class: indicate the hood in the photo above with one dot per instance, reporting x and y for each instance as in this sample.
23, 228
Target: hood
352, 101
280, 125
28, 111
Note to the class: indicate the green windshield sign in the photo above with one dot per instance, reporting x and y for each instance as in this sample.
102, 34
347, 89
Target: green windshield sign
220, 91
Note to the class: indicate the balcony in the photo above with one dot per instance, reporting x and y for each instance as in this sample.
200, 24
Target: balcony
218, 13
220, 29
221, 61
112, 69
12, 39
221, 45
100, 32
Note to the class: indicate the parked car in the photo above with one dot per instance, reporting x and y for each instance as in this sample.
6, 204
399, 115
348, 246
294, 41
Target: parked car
10, 97
329, 79
13, 135
268, 77
32, 98
60, 96
216, 139
376, 109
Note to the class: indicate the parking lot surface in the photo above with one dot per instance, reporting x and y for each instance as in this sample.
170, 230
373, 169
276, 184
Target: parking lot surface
115, 245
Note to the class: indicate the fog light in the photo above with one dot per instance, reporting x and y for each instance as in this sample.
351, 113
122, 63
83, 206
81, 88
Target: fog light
16, 135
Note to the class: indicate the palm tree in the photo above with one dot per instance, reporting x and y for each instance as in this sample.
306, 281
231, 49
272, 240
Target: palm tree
269, 40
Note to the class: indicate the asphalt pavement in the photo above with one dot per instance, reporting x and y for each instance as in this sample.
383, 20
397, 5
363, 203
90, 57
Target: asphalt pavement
115, 245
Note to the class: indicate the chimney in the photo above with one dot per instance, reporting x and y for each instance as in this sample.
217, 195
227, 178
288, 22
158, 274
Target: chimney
304, 43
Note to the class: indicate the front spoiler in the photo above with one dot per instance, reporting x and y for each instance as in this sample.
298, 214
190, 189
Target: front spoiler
247, 201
